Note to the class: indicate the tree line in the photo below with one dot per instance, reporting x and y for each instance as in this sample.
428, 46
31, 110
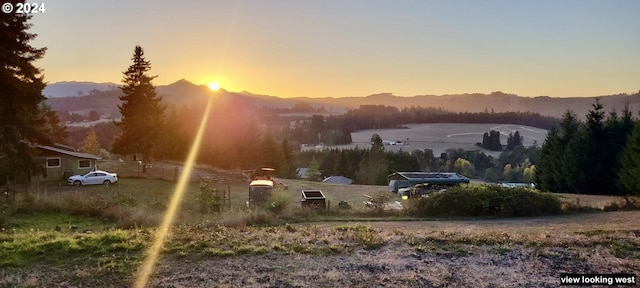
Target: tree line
598, 156
336, 129
371, 166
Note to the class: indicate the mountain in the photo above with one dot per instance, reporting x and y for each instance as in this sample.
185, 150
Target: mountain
183, 91
73, 88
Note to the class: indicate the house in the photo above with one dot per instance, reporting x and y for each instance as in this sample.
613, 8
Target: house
400, 180
61, 163
337, 180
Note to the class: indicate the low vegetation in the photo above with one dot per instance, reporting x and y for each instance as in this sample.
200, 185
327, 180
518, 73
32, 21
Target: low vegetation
103, 237
488, 200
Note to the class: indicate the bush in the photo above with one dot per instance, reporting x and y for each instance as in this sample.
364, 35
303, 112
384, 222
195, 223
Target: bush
491, 200
208, 197
278, 201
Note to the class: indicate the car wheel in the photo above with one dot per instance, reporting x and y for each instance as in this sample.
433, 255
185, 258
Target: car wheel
76, 183
106, 182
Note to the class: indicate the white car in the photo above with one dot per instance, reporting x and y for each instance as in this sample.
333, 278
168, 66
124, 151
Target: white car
93, 177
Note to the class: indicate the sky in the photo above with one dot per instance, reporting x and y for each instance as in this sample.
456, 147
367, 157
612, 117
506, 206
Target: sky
337, 48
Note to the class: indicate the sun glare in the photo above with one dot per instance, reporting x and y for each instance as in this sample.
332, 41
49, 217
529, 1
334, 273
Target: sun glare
146, 269
214, 86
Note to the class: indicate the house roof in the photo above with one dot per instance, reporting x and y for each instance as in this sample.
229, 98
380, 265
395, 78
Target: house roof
337, 180
70, 153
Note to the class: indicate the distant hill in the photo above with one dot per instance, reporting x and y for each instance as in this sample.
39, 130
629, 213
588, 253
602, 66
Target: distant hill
72, 88
497, 101
104, 99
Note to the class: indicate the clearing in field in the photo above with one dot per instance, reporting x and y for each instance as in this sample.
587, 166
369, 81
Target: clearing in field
441, 136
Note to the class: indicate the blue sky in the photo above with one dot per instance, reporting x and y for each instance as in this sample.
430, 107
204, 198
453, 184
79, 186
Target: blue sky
352, 48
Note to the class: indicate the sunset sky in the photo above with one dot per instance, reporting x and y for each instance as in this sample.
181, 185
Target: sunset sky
350, 47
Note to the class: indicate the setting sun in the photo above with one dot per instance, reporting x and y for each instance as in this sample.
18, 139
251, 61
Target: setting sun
214, 86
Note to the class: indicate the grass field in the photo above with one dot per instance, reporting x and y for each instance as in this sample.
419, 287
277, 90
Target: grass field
333, 249
441, 136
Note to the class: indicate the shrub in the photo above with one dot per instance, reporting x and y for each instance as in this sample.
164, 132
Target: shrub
278, 201
488, 200
378, 201
208, 197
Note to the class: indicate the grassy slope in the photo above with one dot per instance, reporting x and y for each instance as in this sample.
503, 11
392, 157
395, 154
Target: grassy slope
113, 255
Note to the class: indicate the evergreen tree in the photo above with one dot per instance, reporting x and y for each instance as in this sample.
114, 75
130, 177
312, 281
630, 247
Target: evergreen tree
57, 132
571, 154
313, 170
23, 122
286, 168
628, 180
617, 129
494, 141
491, 141
343, 168
548, 168
373, 169
269, 152
376, 143
514, 140
559, 168
142, 111
597, 179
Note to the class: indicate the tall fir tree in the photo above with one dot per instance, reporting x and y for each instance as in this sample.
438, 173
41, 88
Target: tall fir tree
560, 166
142, 111
594, 167
545, 176
628, 181
373, 168
23, 122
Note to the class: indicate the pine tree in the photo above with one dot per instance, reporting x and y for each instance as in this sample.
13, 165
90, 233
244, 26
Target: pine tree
142, 111
23, 123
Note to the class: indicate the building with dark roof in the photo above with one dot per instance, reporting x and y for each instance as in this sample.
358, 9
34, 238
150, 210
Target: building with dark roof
400, 180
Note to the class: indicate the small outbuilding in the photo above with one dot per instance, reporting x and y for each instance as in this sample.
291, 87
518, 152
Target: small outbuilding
61, 163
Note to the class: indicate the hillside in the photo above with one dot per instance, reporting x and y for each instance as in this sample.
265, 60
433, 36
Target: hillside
74, 88
183, 91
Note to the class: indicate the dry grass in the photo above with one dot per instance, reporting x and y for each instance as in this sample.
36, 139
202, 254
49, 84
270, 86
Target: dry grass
515, 252
529, 252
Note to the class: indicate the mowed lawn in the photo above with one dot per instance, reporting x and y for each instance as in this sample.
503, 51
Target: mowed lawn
441, 136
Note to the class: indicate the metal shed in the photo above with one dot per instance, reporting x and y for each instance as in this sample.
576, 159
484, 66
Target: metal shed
400, 180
